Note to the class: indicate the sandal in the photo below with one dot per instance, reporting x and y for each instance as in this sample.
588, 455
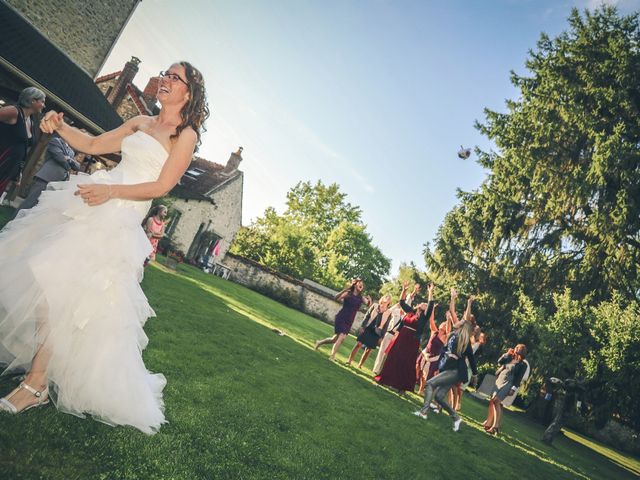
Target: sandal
42, 396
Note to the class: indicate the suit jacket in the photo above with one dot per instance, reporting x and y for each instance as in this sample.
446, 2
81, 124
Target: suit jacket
58, 161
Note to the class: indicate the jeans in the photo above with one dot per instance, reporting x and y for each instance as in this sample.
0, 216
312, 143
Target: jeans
441, 384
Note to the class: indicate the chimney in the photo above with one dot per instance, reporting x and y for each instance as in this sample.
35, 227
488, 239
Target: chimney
126, 77
233, 162
150, 91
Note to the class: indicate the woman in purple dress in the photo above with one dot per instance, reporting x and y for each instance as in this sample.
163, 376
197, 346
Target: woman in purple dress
352, 299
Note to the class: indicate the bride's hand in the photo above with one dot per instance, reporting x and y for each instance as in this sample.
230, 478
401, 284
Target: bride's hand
94, 194
52, 121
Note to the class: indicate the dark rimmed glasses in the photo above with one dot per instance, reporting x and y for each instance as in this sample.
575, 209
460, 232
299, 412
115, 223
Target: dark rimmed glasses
173, 77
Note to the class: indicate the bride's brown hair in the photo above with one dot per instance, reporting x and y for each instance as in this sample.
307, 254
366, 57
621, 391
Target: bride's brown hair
196, 111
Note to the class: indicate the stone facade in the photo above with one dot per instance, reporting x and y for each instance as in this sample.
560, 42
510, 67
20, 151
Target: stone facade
87, 42
314, 302
221, 215
128, 100
127, 108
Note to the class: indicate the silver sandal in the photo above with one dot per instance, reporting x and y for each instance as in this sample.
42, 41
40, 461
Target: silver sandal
42, 396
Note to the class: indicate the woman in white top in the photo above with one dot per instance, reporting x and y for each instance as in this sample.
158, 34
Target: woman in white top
71, 315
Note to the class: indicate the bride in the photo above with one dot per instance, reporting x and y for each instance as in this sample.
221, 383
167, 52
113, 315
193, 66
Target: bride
71, 307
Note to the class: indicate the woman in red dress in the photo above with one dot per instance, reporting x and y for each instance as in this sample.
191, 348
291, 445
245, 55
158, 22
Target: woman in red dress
399, 370
154, 228
427, 364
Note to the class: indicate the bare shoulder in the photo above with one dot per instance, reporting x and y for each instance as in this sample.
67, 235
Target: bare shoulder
9, 114
188, 135
186, 142
140, 122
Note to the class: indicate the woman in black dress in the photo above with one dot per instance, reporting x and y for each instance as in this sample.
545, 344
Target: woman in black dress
370, 332
17, 134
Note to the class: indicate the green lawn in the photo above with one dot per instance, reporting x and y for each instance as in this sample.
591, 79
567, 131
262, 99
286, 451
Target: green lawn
6, 214
243, 402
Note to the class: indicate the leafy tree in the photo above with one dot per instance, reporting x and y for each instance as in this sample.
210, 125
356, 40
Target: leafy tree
320, 236
407, 272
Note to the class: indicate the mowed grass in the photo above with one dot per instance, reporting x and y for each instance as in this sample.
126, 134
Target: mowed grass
244, 402
6, 214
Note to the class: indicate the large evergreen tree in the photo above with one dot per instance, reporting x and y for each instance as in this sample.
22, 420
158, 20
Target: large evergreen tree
552, 237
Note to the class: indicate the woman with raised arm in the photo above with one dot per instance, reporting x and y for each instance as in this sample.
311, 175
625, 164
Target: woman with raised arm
352, 299
427, 366
390, 326
455, 394
452, 368
510, 374
399, 370
71, 314
371, 329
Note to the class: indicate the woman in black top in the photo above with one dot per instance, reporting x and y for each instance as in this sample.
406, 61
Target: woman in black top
370, 331
512, 369
17, 134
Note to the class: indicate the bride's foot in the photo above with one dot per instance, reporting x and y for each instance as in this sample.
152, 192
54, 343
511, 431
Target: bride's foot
23, 398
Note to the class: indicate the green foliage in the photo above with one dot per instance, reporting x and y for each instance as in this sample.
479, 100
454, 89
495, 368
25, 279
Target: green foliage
552, 237
408, 272
245, 403
320, 236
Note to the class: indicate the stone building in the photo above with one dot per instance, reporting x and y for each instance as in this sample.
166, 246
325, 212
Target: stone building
128, 100
32, 53
85, 31
206, 207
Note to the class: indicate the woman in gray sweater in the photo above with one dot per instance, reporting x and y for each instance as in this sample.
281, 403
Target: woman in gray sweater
512, 369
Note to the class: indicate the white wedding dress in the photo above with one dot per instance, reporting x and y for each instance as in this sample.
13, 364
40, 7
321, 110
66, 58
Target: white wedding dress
70, 280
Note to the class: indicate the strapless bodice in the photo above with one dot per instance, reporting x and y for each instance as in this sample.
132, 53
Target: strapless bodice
142, 158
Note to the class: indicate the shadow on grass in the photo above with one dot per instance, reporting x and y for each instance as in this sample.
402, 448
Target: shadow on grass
244, 402
538, 451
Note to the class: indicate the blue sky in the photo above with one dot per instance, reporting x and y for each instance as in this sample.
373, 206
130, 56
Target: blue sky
374, 95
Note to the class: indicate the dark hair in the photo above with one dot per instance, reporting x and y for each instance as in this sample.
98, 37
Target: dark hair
196, 111
152, 213
352, 288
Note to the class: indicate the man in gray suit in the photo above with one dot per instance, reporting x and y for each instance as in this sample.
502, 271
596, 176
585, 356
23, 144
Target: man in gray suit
57, 164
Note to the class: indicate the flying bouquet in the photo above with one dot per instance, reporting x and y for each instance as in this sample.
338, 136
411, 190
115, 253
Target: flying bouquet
464, 153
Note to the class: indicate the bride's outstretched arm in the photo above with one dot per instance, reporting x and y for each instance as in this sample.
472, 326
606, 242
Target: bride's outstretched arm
108, 142
173, 169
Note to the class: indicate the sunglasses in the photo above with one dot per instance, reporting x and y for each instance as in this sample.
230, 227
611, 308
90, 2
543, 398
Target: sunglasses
173, 77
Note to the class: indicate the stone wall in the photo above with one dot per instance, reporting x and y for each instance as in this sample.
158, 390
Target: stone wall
84, 30
223, 217
312, 301
127, 108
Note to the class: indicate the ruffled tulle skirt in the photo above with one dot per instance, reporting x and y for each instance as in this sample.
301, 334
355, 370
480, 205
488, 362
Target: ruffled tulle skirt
70, 285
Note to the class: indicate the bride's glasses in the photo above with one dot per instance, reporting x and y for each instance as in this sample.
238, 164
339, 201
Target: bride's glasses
173, 77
